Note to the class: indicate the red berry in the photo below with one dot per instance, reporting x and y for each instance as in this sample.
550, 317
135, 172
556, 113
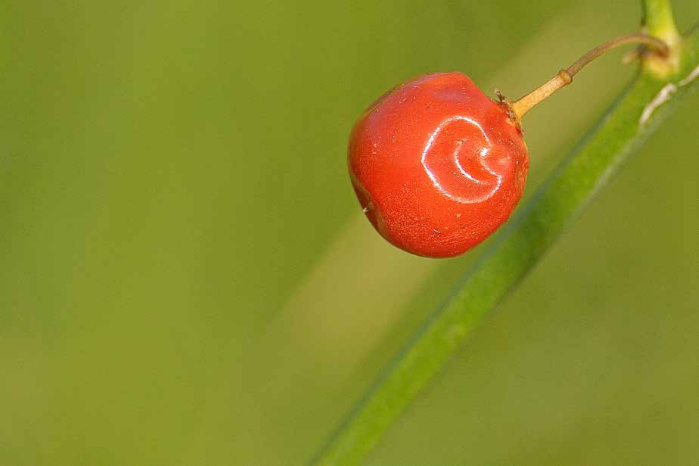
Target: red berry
437, 166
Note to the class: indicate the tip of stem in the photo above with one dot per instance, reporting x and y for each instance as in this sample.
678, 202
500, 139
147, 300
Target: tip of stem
514, 119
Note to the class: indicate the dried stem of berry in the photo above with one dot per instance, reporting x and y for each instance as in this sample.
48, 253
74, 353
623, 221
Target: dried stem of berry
565, 76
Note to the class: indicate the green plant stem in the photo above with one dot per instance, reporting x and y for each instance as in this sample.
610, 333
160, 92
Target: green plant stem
658, 19
659, 22
532, 231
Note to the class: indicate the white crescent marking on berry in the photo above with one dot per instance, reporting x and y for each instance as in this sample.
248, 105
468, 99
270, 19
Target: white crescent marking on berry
435, 177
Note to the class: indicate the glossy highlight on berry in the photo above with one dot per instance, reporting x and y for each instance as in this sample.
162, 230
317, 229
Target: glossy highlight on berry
437, 165
461, 176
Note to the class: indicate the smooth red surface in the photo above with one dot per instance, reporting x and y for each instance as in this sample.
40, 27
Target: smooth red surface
437, 166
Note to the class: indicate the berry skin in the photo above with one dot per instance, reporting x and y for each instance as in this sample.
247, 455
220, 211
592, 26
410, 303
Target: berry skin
437, 166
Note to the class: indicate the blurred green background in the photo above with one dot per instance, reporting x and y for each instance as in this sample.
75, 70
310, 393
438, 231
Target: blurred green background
187, 280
